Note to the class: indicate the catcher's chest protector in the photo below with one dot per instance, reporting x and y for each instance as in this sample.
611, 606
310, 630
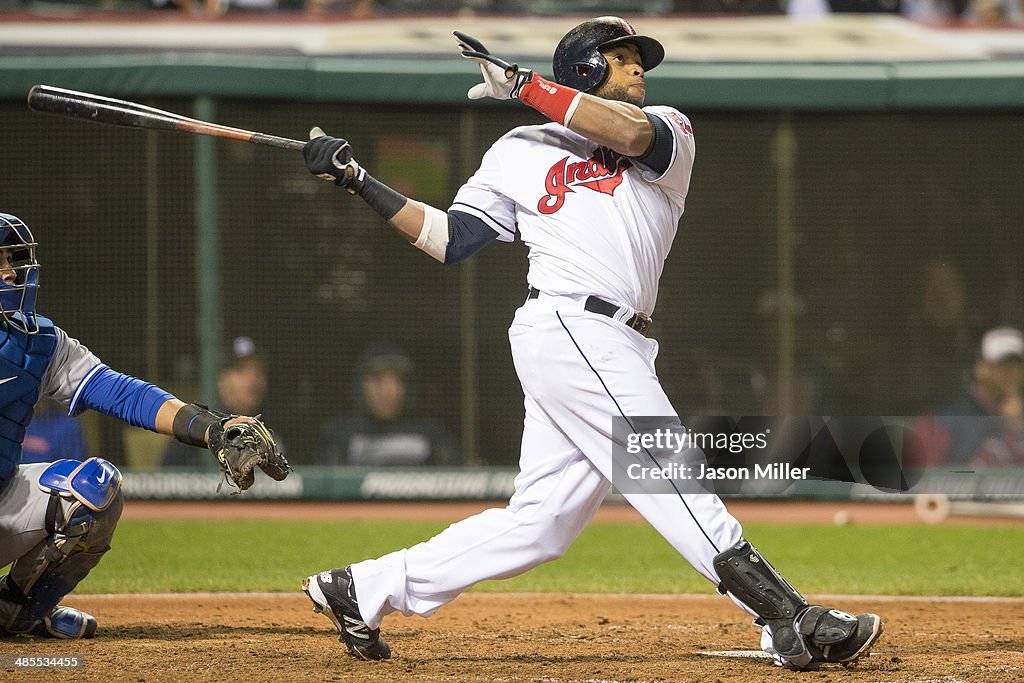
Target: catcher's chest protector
23, 360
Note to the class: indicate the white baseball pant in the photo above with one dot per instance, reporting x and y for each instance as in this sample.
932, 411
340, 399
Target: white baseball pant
578, 370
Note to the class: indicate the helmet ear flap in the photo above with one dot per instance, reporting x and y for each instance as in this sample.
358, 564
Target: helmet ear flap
589, 73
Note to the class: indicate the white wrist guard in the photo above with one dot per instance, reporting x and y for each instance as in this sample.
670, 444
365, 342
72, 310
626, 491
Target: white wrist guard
433, 237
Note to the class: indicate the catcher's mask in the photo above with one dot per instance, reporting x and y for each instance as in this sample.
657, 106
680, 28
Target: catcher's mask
18, 254
578, 62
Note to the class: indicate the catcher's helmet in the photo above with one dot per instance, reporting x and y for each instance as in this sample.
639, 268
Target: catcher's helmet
578, 62
18, 300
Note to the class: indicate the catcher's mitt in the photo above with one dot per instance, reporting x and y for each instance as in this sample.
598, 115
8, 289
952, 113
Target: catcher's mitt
242, 447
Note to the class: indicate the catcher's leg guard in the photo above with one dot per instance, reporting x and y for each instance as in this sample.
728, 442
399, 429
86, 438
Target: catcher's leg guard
803, 634
84, 507
745, 573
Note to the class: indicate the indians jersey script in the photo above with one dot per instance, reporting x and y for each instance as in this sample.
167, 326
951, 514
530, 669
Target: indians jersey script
596, 222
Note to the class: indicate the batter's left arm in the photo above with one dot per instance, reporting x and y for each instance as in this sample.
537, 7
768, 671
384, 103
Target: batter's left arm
619, 126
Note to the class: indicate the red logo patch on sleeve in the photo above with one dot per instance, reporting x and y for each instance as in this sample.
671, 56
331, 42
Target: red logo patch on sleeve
681, 122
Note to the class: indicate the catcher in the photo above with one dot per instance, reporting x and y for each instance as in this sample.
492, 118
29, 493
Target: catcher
57, 519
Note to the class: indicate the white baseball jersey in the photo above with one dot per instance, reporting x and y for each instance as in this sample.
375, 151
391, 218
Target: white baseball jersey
614, 243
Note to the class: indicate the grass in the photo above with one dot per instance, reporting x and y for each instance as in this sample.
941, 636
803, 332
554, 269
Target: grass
243, 556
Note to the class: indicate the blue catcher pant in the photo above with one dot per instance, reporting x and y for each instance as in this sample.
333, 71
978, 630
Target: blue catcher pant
49, 562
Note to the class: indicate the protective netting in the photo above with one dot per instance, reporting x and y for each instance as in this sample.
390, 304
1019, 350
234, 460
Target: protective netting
904, 232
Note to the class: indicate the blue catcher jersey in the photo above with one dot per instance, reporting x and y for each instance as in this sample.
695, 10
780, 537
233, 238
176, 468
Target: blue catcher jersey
23, 360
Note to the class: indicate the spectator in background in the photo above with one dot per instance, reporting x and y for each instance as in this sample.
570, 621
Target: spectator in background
817, 382
241, 390
940, 345
816, 9
712, 7
972, 11
770, 397
52, 434
984, 424
381, 432
356, 9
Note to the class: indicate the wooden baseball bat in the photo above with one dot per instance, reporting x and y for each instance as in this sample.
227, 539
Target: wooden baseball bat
89, 107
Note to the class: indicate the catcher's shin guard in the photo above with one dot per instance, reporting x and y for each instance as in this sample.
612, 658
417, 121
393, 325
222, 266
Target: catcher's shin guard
84, 508
802, 634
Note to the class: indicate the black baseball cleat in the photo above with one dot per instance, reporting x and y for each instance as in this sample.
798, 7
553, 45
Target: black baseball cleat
836, 637
334, 595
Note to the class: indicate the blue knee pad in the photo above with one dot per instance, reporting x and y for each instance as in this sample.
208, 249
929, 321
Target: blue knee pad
94, 489
94, 482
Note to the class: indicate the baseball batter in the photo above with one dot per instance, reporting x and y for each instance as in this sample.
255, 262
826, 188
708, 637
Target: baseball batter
597, 196
57, 519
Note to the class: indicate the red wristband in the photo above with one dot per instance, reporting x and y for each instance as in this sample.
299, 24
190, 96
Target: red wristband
557, 102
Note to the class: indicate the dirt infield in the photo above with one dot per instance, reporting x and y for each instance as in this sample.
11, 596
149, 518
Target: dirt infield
487, 637
538, 637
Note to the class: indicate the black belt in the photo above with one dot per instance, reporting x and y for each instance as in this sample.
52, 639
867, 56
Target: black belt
641, 322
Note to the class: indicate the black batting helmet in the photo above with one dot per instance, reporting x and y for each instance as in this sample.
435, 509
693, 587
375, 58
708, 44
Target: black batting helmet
578, 62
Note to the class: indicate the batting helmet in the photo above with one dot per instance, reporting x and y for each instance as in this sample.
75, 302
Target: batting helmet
578, 62
18, 300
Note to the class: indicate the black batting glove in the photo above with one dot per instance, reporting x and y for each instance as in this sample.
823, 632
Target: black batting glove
331, 159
